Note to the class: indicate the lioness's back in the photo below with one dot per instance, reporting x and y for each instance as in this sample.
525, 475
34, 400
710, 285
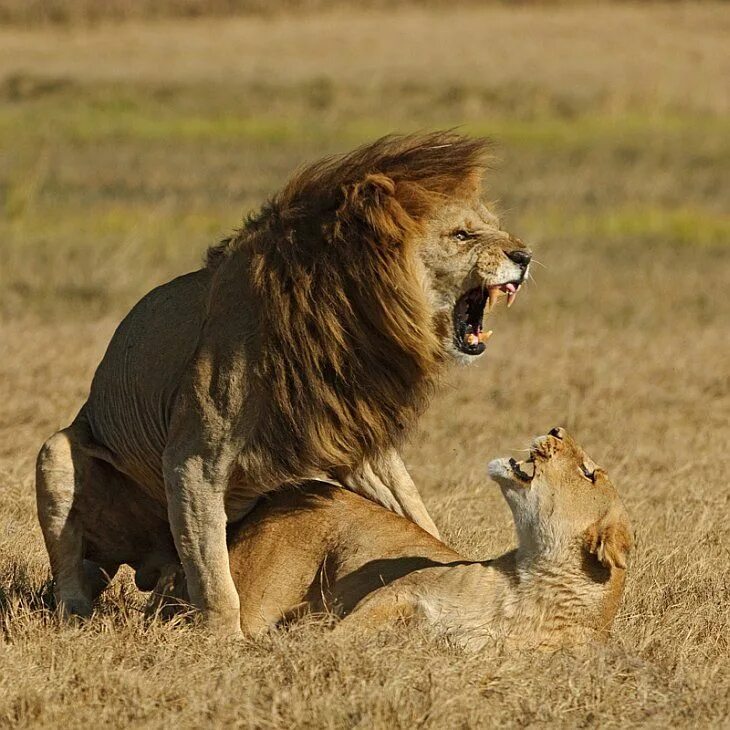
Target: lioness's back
299, 542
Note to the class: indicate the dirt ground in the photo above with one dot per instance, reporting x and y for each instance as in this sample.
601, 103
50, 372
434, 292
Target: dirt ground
127, 147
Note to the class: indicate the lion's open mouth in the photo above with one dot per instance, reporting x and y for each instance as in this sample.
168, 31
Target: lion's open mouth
523, 470
469, 334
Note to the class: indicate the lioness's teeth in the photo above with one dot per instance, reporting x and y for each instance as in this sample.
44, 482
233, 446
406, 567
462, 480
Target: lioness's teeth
511, 298
493, 297
472, 340
484, 336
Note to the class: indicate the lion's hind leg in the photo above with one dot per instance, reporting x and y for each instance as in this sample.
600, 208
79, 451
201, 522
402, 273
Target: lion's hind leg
60, 474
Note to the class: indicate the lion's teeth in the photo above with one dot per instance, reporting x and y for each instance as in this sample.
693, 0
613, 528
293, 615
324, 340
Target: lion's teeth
472, 340
484, 336
511, 298
493, 296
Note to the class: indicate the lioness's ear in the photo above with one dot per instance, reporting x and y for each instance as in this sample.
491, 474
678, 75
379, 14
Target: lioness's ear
609, 540
373, 201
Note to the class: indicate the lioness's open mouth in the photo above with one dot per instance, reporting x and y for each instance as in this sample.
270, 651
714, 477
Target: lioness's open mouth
523, 470
469, 309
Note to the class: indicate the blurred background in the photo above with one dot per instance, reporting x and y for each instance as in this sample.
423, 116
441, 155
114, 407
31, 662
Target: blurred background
133, 134
136, 132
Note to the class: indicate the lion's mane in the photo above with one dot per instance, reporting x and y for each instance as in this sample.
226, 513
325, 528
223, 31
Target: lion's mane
344, 353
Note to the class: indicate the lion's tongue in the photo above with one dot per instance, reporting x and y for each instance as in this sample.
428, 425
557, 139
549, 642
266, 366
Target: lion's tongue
511, 293
471, 339
495, 292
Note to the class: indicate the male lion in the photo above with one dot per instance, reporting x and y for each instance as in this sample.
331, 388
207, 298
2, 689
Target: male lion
306, 347
326, 550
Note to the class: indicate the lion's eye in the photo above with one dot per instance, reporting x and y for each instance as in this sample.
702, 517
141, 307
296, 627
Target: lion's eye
461, 235
588, 474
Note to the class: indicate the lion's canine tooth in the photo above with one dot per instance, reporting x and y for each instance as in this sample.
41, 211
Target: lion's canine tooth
484, 336
472, 340
511, 298
493, 296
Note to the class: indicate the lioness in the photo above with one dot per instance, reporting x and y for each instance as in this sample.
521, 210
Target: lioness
327, 549
306, 347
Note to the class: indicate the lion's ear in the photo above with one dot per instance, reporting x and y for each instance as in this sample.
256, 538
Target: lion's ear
609, 540
373, 202
373, 190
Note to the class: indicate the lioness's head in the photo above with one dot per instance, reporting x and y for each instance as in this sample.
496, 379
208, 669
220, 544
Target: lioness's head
562, 503
470, 263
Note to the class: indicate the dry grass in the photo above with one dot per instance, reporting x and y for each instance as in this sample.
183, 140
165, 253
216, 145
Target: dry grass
615, 57
88, 12
121, 158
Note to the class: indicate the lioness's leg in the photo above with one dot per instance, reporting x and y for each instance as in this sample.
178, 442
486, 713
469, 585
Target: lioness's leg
196, 510
387, 481
387, 605
59, 479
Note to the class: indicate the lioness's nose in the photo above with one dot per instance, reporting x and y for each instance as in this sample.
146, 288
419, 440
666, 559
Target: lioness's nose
520, 256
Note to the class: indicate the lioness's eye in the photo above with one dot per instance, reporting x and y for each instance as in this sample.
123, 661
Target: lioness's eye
588, 474
461, 235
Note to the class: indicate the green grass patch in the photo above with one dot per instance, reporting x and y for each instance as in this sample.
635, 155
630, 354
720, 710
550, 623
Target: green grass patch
586, 130
63, 259
86, 116
685, 226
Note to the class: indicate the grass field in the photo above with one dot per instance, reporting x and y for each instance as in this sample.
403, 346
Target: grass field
126, 148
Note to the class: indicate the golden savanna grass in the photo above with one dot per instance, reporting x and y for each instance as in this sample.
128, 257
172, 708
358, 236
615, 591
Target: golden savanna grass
127, 148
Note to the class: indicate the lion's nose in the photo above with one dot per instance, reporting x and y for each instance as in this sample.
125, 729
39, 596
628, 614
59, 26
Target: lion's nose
558, 432
520, 256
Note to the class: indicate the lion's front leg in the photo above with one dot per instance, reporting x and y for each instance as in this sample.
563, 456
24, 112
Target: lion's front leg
386, 480
196, 509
